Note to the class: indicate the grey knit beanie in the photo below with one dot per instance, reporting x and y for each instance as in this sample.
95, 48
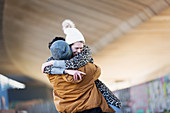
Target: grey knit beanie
60, 50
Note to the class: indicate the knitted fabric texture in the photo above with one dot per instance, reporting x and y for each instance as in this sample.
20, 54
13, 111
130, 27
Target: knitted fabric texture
82, 59
60, 50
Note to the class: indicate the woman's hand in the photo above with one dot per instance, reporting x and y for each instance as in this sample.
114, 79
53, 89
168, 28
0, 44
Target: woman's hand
76, 74
49, 63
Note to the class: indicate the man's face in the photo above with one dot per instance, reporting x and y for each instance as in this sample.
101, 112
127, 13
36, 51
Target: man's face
77, 47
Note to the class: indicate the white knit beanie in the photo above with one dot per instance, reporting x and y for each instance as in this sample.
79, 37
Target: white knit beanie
72, 34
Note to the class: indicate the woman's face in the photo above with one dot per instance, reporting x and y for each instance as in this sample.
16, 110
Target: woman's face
77, 47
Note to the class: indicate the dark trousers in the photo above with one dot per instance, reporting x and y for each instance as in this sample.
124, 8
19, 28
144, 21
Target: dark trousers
94, 110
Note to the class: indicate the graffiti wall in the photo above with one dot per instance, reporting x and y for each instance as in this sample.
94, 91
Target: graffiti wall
151, 97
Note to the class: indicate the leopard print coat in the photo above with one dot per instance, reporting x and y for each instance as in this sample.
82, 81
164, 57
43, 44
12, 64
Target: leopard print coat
80, 60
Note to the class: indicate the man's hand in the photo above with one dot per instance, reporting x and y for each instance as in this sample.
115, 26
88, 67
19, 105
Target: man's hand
49, 63
76, 74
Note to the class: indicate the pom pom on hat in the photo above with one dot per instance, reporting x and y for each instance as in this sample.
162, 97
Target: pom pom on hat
72, 34
67, 24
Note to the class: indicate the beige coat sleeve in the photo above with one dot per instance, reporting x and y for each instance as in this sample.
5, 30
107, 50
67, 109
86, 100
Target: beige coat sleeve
93, 70
69, 78
97, 72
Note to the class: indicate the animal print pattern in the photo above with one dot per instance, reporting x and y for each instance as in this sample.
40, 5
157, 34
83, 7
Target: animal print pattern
80, 60
76, 62
108, 95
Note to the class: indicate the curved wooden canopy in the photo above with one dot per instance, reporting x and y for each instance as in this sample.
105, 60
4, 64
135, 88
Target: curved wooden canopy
28, 25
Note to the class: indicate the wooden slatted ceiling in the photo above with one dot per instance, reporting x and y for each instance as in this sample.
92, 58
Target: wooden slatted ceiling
6, 63
30, 24
139, 56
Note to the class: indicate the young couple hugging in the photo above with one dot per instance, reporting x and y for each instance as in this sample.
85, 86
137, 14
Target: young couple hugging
74, 76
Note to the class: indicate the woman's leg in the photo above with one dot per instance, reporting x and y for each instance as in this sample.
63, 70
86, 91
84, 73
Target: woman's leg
117, 110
